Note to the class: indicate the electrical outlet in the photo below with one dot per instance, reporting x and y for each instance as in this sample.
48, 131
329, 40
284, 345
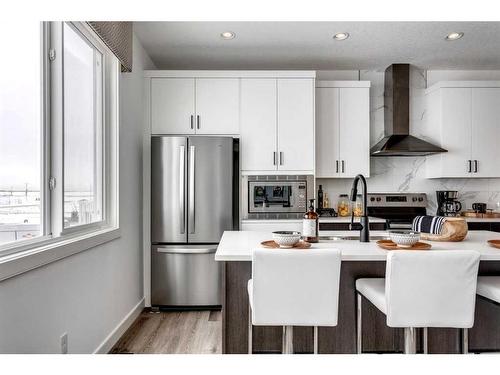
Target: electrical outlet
64, 343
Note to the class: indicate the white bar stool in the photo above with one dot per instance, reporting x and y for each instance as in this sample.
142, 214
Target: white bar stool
293, 288
423, 289
489, 287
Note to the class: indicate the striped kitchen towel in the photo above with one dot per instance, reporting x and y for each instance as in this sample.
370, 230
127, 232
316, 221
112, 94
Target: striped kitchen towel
428, 224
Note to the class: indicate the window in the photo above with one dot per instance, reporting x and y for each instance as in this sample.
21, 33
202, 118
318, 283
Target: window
83, 141
20, 130
58, 135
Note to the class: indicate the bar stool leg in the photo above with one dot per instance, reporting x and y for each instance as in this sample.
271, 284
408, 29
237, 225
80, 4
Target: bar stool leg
410, 341
315, 336
465, 341
359, 343
250, 333
426, 341
288, 339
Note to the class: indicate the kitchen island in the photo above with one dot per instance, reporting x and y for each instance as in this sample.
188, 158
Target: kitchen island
358, 260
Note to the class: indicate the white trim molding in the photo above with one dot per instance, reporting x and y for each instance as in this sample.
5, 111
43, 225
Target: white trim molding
230, 74
120, 329
344, 84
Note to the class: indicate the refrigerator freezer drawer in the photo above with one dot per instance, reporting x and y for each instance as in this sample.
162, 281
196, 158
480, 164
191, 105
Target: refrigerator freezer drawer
185, 275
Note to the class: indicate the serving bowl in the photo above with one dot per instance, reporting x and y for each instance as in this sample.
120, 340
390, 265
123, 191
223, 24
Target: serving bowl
403, 238
286, 238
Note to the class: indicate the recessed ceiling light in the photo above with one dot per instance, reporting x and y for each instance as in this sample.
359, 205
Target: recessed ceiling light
227, 35
454, 36
341, 36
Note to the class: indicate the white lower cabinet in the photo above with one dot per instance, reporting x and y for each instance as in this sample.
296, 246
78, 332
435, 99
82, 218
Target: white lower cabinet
464, 119
342, 129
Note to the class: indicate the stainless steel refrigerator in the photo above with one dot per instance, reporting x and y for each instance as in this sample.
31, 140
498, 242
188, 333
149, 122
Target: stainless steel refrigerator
191, 206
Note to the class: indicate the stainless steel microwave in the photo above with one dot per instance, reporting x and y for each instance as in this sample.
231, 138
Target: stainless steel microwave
276, 196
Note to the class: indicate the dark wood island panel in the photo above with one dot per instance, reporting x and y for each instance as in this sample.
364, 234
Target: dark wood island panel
377, 337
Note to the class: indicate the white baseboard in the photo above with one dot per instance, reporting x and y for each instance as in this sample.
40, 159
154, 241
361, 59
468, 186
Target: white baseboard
120, 329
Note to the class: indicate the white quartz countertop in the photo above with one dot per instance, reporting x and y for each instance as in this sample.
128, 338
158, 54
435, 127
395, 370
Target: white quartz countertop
238, 246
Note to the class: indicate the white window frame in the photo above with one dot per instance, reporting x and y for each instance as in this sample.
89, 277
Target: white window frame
55, 241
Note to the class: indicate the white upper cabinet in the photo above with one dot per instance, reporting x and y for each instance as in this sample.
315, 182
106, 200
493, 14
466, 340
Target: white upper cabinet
486, 131
277, 125
342, 129
327, 132
463, 118
217, 105
172, 105
296, 124
258, 125
195, 105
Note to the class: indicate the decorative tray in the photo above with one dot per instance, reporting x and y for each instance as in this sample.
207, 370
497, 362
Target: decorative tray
273, 245
389, 245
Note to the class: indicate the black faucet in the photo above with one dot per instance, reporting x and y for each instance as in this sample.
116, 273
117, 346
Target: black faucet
363, 226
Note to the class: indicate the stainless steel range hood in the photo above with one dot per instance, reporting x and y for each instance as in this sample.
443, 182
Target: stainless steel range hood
397, 140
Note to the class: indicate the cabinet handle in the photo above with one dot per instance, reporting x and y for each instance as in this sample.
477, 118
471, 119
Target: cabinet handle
192, 122
336, 166
343, 169
470, 166
475, 166
281, 157
274, 158
197, 121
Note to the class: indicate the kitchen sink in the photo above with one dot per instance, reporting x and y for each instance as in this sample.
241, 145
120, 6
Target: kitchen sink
349, 238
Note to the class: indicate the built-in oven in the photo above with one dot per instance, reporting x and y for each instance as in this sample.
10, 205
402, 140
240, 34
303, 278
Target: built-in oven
276, 197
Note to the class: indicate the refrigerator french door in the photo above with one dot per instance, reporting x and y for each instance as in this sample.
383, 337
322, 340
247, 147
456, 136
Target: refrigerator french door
191, 206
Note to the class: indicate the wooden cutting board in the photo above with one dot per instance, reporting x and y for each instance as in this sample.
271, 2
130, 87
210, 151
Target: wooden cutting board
298, 246
487, 215
389, 245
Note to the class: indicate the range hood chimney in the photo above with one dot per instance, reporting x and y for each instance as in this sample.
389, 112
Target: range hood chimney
397, 140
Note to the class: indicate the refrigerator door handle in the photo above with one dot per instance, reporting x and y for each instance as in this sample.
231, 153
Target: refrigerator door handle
191, 223
181, 250
182, 178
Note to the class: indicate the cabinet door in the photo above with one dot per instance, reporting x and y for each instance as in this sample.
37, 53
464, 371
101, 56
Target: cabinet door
486, 131
327, 132
354, 132
296, 124
217, 105
172, 105
456, 131
258, 125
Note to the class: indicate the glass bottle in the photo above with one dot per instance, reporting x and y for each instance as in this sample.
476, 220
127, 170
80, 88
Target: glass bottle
326, 201
310, 224
344, 205
320, 197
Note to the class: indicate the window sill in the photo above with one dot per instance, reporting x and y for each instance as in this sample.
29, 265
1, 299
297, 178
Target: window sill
24, 261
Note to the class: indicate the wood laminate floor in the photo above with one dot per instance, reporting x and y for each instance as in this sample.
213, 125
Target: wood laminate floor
179, 332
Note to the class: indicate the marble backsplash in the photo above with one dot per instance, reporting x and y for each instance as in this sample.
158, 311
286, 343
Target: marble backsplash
407, 174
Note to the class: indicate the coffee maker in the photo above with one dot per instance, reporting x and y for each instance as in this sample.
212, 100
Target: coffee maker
447, 203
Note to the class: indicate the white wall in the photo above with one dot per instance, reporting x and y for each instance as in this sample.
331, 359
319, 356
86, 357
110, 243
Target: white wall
407, 174
87, 295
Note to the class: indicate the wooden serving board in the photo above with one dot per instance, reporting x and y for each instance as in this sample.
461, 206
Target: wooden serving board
389, 245
494, 243
273, 245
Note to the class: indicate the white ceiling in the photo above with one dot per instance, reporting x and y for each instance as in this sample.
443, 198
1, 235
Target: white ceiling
309, 45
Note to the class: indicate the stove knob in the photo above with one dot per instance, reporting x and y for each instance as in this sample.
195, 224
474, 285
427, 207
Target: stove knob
414, 199
420, 199
372, 199
379, 199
